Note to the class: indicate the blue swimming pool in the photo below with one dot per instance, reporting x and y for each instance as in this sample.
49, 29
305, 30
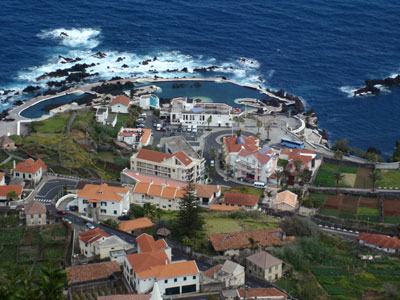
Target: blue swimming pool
37, 110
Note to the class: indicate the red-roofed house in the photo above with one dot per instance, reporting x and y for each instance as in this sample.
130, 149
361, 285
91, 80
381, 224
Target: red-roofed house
135, 137
98, 242
240, 200
178, 166
306, 161
103, 201
6, 189
146, 243
35, 213
285, 201
248, 161
379, 241
120, 104
262, 294
30, 170
143, 270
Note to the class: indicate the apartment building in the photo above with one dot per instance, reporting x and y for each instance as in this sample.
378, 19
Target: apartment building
178, 166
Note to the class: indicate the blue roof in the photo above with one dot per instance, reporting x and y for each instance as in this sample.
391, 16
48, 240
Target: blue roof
264, 150
240, 140
198, 109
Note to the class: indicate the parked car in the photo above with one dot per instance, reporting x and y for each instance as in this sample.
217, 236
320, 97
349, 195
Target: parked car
143, 115
90, 225
179, 129
212, 163
141, 125
172, 134
61, 212
73, 207
154, 123
168, 128
140, 120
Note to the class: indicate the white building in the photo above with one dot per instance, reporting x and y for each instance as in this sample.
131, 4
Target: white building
186, 111
2, 179
98, 242
149, 102
135, 137
248, 160
178, 166
104, 116
143, 270
230, 274
103, 201
30, 170
120, 104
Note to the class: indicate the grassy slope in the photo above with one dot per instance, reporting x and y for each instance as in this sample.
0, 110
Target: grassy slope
75, 154
326, 171
390, 178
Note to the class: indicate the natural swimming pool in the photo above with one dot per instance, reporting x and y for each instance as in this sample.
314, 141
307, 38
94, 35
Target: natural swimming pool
38, 110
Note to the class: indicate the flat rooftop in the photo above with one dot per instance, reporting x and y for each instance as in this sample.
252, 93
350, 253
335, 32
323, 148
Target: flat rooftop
178, 143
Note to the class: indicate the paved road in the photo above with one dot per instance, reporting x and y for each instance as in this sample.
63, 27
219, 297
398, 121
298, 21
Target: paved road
53, 187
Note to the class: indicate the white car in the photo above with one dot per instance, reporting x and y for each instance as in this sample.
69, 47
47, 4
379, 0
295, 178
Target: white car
90, 226
212, 163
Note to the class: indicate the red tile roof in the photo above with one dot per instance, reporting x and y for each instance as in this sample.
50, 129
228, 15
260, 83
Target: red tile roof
158, 157
240, 199
92, 235
121, 99
5, 189
380, 240
91, 272
304, 155
147, 243
240, 240
206, 190
259, 293
103, 192
132, 225
30, 166
35, 207
232, 145
263, 158
211, 271
142, 263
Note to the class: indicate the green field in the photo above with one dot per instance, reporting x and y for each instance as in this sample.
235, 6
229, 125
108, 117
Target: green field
331, 263
368, 211
326, 171
246, 190
390, 178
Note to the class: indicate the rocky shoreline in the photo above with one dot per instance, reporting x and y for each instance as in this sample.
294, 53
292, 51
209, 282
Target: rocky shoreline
372, 85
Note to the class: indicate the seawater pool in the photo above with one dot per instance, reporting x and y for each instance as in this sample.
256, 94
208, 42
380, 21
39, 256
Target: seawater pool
37, 110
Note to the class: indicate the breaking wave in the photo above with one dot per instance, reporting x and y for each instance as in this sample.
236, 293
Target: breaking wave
74, 37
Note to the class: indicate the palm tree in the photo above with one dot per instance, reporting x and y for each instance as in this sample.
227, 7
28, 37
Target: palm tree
278, 174
338, 154
337, 176
297, 165
375, 176
268, 129
259, 125
269, 196
253, 243
209, 119
52, 281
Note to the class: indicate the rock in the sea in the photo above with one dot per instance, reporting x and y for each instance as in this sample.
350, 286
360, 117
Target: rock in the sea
63, 34
119, 59
185, 69
99, 55
125, 66
370, 85
31, 89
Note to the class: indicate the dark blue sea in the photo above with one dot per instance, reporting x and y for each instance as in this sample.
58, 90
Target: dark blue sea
319, 50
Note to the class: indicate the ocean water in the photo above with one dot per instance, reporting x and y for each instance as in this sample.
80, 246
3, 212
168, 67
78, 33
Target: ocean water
318, 50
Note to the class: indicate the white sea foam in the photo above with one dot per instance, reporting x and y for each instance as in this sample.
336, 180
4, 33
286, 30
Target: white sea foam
74, 37
349, 90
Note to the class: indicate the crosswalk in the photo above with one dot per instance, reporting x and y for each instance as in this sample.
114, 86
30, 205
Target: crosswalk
43, 200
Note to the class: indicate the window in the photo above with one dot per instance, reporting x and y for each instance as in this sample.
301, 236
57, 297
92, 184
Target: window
84, 201
175, 279
40, 215
103, 203
194, 277
166, 281
115, 212
276, 267
103, 211
184, 278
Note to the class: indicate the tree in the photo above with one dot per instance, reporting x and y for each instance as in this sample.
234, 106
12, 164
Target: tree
268, 129
338, 154
12, 196
304, 176
238, 132
189, 222
337, 176
297, 165
156, 113
136, 211
149, 210
52, 281
259, 125
372, 157
209, 119
253, 243
278, 174
375, 176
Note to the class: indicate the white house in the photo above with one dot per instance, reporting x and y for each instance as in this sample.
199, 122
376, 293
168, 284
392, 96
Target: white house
248, 160
35, 213
120, 104
380, 242
2, 179
98, 242
135, 137
103, 201
30, 170
231, 274
149, 101
143, 270
186, 111
104, 117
